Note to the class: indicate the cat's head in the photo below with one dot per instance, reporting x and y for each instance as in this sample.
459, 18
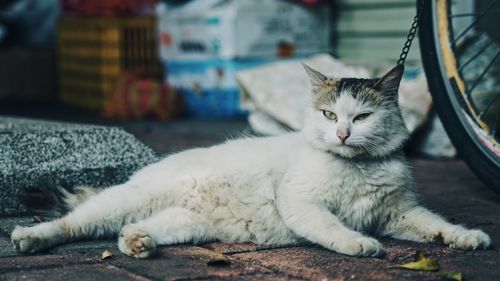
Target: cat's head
354, 117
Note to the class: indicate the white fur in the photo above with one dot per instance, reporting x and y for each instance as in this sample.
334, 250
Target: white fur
271, 190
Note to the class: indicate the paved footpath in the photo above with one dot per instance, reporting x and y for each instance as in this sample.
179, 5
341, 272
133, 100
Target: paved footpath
447, 187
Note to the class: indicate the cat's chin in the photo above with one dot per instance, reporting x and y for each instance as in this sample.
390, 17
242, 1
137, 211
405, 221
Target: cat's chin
346, 151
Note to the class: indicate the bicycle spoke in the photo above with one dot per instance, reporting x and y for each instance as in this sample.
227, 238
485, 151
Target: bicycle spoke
479, 52
490, 103
486, 11
469, 91
472, 14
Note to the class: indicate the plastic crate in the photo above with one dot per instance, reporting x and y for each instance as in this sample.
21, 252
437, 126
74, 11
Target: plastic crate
108, 8
94, 52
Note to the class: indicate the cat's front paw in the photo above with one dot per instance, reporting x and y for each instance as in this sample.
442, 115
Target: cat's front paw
135, 242
360, 246
25, 240
468, 239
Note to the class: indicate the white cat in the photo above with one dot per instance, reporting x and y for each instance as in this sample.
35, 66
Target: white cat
337, 181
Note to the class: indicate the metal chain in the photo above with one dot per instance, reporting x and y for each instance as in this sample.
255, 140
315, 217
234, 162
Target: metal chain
410, 37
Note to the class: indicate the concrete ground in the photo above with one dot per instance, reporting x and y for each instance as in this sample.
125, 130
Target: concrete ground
448, 187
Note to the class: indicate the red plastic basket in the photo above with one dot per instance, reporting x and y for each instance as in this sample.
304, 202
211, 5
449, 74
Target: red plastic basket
108, 8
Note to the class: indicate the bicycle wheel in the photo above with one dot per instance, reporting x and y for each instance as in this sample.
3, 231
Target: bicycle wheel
465, 92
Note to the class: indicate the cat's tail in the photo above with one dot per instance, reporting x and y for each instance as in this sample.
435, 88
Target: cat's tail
56, 201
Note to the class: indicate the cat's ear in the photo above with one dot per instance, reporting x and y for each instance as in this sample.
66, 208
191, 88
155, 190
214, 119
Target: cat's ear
317, 79
389, 82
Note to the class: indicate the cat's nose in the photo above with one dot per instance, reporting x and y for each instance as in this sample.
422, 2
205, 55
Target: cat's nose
343, 135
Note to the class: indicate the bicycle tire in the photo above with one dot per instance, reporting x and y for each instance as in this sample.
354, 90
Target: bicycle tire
480, 159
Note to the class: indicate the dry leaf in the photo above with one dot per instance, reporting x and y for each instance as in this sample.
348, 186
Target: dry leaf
452, 275
106, 255
219, 260
421, 263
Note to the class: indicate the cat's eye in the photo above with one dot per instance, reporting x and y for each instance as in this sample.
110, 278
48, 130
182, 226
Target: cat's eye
362, 116
329, 115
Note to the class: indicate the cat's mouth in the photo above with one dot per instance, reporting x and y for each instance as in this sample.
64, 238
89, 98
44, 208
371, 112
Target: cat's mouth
347, 145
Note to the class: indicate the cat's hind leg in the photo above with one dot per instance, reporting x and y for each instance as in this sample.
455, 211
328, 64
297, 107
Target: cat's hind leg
102, 215
170, 226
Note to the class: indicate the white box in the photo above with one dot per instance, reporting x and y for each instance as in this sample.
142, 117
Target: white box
209, 87
226, 29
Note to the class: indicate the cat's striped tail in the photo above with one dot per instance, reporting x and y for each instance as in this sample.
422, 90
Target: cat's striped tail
56, 201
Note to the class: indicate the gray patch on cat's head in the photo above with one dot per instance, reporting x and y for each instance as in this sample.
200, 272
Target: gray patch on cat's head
377, 92
384, 131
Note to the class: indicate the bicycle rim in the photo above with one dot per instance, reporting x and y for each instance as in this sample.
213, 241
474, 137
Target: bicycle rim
473, 136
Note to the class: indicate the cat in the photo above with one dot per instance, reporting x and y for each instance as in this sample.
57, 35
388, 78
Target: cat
338, 182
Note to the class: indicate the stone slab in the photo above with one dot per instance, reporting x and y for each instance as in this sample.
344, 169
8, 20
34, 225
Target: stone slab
41, 154
73, 272
315, 263
188, 263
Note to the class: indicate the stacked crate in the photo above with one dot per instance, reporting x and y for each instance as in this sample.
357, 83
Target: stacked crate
107, 8
94, 52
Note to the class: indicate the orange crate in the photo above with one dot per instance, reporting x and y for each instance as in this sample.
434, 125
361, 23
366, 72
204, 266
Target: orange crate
94, 52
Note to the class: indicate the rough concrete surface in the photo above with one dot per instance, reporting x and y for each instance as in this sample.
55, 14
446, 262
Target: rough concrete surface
447, 187
40, 154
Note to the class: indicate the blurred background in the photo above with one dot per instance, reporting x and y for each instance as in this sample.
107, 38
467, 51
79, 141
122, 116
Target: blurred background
202, 69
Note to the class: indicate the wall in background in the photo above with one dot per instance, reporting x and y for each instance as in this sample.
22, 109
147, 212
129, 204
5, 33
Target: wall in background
375, 30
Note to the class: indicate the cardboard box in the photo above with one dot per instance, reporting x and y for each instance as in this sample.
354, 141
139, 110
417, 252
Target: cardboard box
208, 29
